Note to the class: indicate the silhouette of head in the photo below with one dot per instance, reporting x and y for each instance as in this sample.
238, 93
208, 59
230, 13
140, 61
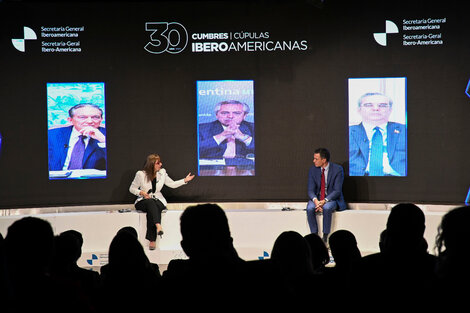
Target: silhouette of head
319, 251
292, 252
69, 246
129, 229
454, 232
343, 247
38, 256
405, 227
126, 252
205, 232
382, 239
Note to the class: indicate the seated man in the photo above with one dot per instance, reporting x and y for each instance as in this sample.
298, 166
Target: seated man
325, 184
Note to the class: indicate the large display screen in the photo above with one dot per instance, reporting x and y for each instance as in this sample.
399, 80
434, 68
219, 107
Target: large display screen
377, 127
76, 130
226, 128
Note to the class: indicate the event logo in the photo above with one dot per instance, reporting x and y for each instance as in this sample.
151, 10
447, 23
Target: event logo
28, 34
53, 39
390, 28
264, 256
174, 38
93, 257
166, 37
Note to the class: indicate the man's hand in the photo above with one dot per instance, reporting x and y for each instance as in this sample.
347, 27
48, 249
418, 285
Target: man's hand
224, 135
231, 131
240, 136
94, 133
319, 205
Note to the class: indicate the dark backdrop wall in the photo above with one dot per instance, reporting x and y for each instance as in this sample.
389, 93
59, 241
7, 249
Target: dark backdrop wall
301, 95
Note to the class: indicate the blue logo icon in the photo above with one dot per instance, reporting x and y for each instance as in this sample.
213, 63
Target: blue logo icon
264, 256
93, 257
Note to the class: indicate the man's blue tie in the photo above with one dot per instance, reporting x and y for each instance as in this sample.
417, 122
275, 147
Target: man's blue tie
376, 167
76, 159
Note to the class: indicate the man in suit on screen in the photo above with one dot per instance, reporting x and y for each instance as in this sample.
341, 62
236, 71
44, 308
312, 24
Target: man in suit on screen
229, 136
81, 145
377, 147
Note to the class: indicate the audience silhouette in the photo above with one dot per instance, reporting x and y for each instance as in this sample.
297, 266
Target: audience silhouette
44, 275
320, 256
403, 269
346, 255
133, 232
68, 249
30, 286
129, 268
214, 271
343, 246
292, 256
453, 269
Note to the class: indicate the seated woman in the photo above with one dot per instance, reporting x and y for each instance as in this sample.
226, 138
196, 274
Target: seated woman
146, 186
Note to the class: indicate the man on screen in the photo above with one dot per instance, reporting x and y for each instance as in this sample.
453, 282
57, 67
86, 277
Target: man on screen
81, 145
377, 147
229, 136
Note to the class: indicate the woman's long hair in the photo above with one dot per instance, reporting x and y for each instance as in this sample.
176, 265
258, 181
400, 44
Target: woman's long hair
149, 167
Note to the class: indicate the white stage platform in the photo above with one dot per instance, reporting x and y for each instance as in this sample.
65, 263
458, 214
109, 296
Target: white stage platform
254, 226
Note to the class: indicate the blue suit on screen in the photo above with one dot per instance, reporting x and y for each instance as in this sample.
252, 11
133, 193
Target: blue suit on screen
334, 194
58, 138
359, 148
208, 147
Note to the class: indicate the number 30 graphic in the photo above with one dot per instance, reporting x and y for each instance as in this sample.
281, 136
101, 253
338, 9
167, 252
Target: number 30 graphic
166, 37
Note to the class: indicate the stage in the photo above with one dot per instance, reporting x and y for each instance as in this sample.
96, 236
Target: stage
254, 226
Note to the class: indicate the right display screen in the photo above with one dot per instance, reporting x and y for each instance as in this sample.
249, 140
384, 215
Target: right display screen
377, 126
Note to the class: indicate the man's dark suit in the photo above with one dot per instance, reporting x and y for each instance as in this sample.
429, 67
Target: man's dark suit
334, 194
208, 147
94, 157
359, 148
334, 181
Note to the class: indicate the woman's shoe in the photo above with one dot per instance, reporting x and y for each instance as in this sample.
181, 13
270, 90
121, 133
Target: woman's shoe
152, 245
160, 233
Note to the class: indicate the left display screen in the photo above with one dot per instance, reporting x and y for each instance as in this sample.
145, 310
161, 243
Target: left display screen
76, 130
